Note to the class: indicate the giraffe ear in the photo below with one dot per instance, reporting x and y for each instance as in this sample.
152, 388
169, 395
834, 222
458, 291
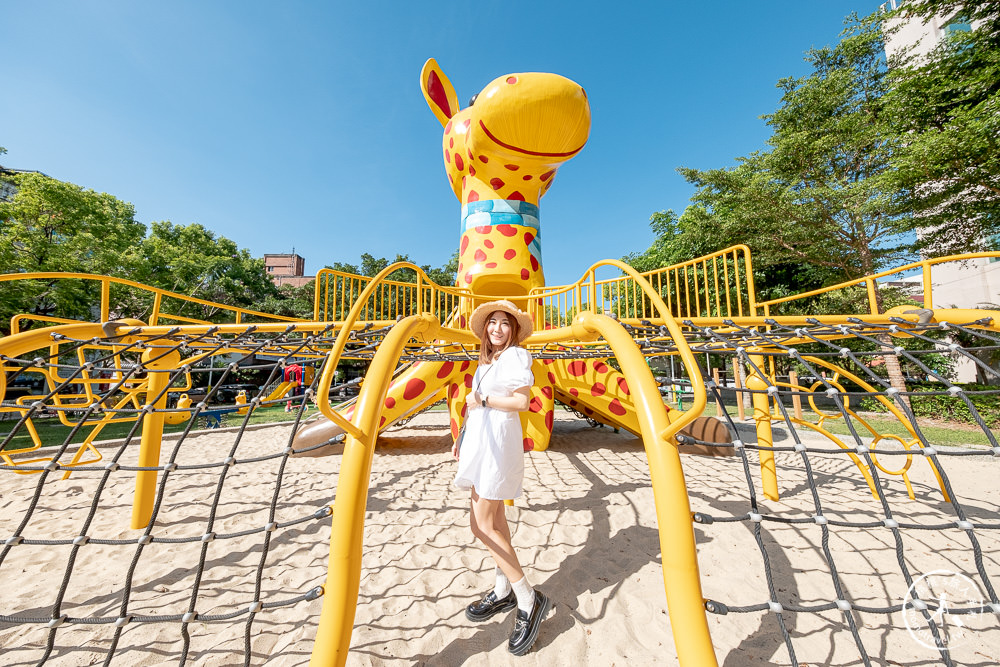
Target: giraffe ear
438, 91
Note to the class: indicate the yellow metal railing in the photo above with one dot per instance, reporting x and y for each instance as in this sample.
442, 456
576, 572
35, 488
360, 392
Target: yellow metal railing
159, 306
870, 283
716, 285
382, 300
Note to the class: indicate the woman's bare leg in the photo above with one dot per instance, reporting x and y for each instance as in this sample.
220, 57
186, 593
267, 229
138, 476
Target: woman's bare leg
496, 539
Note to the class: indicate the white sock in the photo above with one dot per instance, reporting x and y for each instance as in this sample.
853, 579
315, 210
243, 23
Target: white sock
525, 594
502, 589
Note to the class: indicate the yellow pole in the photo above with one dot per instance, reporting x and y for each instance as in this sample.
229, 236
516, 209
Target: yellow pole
673, 511
343, 577
152, 432
762, 419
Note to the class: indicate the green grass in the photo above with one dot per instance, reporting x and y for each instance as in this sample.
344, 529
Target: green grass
53, 433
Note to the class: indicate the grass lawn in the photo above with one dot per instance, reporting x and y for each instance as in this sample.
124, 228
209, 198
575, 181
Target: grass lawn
53, 433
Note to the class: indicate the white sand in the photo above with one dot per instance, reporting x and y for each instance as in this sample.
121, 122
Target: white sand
585, 531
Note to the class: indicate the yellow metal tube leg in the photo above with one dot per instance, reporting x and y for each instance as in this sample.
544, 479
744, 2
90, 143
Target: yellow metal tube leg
681, 578
340, 599
152, 433
762, 420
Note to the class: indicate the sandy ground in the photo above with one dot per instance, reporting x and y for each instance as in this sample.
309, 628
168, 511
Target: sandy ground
585, 530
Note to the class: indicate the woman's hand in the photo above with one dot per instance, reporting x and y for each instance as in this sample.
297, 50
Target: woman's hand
454, 449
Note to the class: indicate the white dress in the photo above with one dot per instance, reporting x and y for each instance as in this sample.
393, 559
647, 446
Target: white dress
492, 455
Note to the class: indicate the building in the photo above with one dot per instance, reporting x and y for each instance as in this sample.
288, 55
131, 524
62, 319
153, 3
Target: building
287, 269
7, 189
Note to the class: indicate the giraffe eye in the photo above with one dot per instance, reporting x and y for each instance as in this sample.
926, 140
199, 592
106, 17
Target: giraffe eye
472, 100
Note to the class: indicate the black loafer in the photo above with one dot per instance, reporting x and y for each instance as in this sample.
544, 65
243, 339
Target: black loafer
526, 625
489, 606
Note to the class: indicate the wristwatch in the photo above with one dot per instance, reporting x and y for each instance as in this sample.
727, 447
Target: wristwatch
484, 400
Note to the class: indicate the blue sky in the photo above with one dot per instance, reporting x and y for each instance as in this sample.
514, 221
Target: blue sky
301, 125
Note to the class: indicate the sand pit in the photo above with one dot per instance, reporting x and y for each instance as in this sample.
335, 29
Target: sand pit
585, 529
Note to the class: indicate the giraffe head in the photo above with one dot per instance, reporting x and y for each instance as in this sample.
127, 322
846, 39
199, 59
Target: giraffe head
501, 154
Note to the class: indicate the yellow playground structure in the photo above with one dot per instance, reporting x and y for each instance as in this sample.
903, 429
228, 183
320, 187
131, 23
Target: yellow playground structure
110, 398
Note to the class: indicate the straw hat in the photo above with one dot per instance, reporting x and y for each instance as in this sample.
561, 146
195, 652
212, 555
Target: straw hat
481, 314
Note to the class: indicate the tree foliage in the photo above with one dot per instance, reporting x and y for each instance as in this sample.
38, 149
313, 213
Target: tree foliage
51, 225
818, 206
945, 108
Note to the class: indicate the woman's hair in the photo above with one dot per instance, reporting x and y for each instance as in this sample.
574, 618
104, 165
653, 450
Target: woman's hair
488, 349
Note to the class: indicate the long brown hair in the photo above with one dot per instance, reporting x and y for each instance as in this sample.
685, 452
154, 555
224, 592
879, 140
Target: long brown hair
487, 350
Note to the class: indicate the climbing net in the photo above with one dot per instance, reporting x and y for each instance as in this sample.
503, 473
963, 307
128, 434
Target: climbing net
812, 490
843, 548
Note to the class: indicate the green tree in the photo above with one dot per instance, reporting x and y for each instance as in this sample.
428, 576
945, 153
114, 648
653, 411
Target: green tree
946, 110
191, 260
51, 225
818, 206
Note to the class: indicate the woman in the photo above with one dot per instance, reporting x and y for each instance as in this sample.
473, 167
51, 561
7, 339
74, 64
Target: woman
492, 463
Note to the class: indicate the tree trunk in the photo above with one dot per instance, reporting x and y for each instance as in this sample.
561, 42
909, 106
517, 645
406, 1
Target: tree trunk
892, 366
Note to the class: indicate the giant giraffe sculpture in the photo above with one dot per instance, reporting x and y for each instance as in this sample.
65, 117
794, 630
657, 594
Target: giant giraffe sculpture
501, 154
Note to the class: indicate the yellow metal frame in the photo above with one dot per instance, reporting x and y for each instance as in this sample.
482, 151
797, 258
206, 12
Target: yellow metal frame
711, 291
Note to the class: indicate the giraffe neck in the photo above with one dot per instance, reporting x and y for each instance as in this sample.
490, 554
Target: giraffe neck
500, 252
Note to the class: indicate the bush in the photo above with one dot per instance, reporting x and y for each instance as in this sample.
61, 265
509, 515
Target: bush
985, 398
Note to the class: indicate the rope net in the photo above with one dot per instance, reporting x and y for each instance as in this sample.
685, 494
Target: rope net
816, 488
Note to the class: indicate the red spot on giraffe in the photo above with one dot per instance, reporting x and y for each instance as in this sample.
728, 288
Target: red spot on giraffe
491, 265
465, 364
616, 408
547, 175
572, 403
465, 409
454, 428
511, 80
524, 274
588, 411
468, 381
527, 177
381, 422
529, 444
483, 159
535, 405
516, 196
454, 390
600, 367
506, 230
461, 325
552, 377
451, 142
445, 369
623, 385
488, 244
577, 368
512, 167
574, 391
472, 170
528, 238
390, 402
547, 391
468, 279
447, 156
483, 229
414, 387
447, 128
547, 362
460, 267
510, 253
459, 162
598, 389
480, 255
467, 150
496, 183
473, 196
549, 417
465, 243
534, 263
